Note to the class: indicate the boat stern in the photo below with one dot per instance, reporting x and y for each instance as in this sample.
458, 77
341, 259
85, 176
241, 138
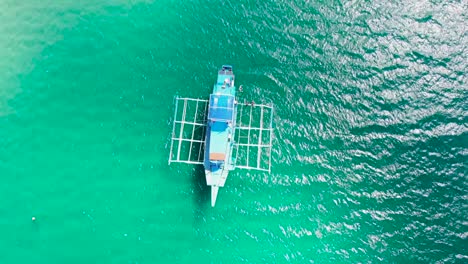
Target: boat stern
215, 179
214, 195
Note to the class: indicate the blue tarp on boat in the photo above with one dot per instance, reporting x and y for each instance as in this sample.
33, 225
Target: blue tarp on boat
221, 107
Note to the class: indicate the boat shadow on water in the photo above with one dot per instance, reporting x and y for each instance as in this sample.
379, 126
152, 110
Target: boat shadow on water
201, 197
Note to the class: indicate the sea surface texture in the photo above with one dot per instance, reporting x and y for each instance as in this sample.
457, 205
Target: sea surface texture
369, 162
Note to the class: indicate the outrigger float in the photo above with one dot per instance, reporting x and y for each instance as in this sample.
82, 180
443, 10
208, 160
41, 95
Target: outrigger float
221, 133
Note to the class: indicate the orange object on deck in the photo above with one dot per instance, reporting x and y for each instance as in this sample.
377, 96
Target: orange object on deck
217, 156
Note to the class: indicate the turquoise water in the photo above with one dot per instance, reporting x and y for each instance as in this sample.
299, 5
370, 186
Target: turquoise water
369, 163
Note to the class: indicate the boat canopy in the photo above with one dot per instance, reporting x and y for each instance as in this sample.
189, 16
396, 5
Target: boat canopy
221, 107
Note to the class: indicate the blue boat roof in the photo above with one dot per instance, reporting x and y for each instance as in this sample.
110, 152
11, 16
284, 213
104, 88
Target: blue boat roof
218, 137
221, 107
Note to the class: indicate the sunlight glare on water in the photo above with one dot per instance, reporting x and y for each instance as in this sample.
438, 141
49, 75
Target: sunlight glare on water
369, 163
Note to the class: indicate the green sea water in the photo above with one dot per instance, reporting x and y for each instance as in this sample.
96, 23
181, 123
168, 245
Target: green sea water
371, 139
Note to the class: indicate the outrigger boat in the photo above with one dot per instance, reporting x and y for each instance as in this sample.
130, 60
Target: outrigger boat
221, 133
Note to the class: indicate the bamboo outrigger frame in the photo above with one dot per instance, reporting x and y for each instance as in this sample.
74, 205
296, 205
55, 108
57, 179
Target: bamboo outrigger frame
243, 145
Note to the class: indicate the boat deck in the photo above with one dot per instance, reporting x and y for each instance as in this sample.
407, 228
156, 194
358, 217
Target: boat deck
219, 138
